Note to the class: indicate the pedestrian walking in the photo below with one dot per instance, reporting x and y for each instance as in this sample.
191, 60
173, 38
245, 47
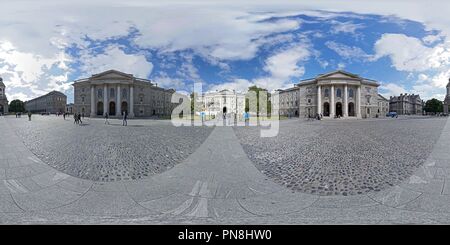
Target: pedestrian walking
124, 122
106, 118
29, 116
79, 119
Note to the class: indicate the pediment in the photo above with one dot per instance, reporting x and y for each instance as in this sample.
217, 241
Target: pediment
112, 75
339, 75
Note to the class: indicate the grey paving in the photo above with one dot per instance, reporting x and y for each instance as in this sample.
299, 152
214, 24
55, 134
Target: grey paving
216, 184
100, 152
342, 157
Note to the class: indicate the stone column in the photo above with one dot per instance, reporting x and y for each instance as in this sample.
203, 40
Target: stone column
105, 99
131, 101
118, 102
92, 101
345, 105
332, 105
358, 102
319, 99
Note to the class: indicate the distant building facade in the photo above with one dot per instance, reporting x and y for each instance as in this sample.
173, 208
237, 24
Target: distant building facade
220, 102
339, 93
406, 104
447, 99
69, 108
289, 102
115, 93
53, 102
383, 105
3, 99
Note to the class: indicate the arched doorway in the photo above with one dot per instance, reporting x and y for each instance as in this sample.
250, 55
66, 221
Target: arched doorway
224, 110
2, 110
296, 113
112, 108
326, 109
351, 109
368, 113
100, 108
339, 109
124, 107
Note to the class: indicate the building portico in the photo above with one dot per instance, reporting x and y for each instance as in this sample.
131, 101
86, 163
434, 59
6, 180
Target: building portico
115, 93
339, 94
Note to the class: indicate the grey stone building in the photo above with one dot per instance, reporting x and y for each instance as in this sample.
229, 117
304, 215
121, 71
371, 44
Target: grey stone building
53, 102
219, 102
69, 108
447, 99
289, 101
3, 99
406, 104
383, 105
339, 93
115, 92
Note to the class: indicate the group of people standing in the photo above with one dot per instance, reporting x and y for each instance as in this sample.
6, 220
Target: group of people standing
124, 118
77, 118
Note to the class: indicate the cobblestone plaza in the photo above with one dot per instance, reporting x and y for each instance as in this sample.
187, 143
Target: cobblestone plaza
331, 171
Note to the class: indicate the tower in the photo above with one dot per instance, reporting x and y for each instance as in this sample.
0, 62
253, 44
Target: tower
447, 99
3, 99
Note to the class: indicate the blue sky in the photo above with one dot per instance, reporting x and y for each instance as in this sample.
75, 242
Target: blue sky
225, 45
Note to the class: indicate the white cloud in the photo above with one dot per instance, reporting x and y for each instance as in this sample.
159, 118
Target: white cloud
18, 96
392, 89
281, 67
345, 27
430, 39
285, 63
406, 53
347, 52
114, 57
240, 85
32, 73
227, 34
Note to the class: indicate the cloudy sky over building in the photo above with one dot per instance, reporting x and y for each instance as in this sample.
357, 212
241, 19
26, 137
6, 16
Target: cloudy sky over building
46, 45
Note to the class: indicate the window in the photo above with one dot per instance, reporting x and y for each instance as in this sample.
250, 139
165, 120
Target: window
368, 99
368, 90
338, 93
350, 93
111, 92
124, 93
327, 92
309, 101
100, 93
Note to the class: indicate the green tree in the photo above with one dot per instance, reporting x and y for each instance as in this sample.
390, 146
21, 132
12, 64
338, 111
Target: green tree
17, 106
257, 90
434, 106
195, 103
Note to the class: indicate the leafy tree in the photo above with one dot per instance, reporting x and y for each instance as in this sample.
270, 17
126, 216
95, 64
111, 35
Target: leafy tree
17, 106
434, 106
257, 90
195, 103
